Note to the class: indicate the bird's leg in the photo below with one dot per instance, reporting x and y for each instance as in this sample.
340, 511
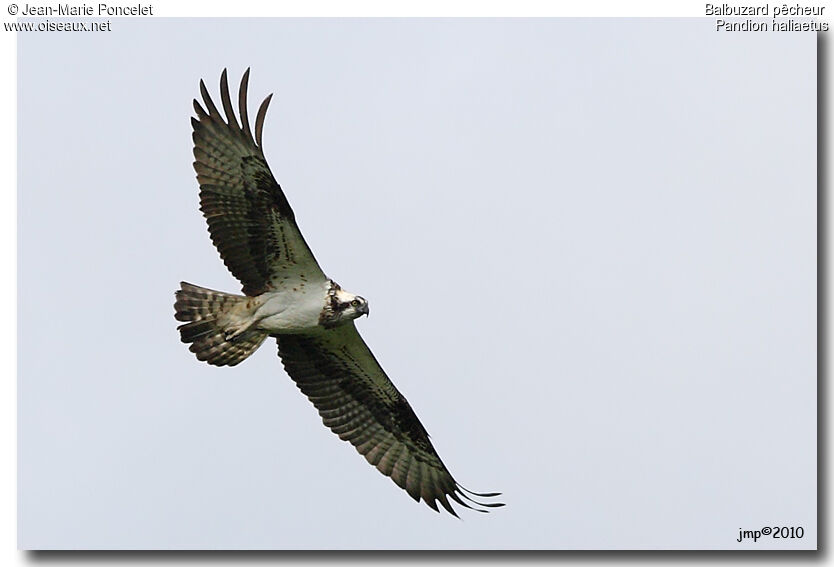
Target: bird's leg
236, 330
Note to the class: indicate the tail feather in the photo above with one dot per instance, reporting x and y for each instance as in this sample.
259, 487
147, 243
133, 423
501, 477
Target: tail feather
209, 317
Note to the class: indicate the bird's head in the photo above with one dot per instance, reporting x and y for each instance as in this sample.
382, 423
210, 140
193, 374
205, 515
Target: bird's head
342, 306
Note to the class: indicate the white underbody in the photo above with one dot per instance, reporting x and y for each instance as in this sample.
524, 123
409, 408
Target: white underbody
290, 310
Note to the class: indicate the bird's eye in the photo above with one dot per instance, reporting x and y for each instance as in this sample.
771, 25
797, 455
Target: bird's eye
355, 303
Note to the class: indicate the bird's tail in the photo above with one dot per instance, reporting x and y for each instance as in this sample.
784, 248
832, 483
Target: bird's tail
218, 325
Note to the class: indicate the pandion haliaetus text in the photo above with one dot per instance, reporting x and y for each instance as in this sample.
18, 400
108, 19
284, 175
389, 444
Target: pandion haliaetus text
288, 296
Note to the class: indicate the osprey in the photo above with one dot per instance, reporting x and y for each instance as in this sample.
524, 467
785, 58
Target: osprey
286, 295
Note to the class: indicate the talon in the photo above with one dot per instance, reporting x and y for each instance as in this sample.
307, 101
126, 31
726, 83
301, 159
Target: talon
234, 333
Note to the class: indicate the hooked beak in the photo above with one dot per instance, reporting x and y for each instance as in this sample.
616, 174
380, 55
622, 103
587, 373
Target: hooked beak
365, 310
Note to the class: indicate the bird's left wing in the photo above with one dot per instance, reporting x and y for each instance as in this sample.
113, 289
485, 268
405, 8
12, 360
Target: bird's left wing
336, 370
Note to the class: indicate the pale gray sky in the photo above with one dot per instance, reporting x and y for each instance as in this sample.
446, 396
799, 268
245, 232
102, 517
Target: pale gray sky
606, 231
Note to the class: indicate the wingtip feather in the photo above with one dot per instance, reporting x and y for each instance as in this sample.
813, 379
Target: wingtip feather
226, 99
242, 104
199, 109
445, 503
259, 120
212, 110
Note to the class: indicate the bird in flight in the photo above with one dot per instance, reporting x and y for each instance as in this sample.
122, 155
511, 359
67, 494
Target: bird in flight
286, 295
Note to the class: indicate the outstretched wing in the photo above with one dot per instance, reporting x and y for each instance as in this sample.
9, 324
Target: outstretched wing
249, 219
338, 373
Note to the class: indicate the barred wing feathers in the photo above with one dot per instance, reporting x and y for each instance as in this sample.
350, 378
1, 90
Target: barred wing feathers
337, 371
250, 220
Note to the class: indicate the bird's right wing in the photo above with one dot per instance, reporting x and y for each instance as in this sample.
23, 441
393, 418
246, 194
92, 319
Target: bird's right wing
249, 219
336, 370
